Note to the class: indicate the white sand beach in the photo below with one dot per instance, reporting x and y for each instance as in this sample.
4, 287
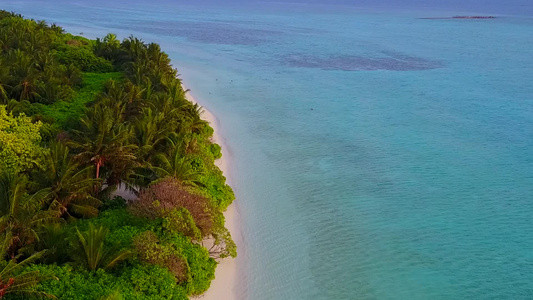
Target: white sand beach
223, 287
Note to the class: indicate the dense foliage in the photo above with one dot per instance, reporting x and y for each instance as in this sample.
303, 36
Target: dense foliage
82, 121
20, 140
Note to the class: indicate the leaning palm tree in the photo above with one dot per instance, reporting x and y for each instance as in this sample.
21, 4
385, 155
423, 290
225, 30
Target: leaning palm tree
95, 254
104, 140
68, 185
12, 280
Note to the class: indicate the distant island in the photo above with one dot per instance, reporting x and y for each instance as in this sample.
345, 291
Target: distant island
460, 17
82, 123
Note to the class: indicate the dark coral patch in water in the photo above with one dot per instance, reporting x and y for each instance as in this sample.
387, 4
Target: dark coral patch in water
388, 61
225, 33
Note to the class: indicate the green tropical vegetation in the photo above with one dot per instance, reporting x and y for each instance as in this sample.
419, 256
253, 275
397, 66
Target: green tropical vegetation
81, 123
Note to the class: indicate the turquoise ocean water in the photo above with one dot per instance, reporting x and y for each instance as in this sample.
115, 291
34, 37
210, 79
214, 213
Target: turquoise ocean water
375, 155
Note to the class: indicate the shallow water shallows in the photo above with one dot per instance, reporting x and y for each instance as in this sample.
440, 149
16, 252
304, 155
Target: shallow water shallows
376, 155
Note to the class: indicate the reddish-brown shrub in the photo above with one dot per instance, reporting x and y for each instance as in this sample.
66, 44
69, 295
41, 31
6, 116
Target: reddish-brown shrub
168, 194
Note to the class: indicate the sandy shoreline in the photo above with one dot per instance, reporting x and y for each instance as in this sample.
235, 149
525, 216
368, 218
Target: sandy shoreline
223, 286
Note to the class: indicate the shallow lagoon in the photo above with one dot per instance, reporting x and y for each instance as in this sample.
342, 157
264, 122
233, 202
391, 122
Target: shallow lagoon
376, 155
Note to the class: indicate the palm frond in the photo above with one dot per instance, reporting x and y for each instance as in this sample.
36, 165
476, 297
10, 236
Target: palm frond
13, 266
118, 257
86, 211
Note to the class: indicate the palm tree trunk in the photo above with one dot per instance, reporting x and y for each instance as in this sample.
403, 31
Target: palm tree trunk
98, 164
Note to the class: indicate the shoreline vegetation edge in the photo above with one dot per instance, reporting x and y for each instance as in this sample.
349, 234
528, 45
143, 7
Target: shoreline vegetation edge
224, 284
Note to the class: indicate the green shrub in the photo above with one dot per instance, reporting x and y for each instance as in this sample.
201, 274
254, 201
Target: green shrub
215, 150
152, 250
134, 282
201, 266
116, 202
66, 114
171, 251
150, 282
180, 220
74, 284
214, 185
85, 59
20, 140
123, 226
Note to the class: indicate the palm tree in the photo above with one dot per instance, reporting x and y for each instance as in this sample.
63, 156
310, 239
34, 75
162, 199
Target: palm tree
135, 47
95, 254
20, 212
159, 59
12, 281
134, 101
57, 29
24, 76
177, 92
108, 47
4, 73
126, 100
54, 238
137, 73
104, 140
73, 76
169, 106
177, 164
192, 121
150, 131
68, 185
114, 99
